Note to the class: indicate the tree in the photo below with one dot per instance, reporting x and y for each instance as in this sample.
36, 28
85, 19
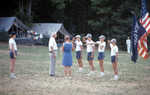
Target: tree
109, 17
112, 18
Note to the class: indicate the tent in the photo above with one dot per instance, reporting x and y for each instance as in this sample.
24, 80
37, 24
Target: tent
9, 24
48, 28
6, 24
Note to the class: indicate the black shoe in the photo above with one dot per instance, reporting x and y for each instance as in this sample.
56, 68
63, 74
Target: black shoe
52, 75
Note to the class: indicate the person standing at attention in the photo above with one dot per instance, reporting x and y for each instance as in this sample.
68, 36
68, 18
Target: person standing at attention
128, 43
78, 49
101, 49
114, 57
90, 52
67, 57
13, 54
52, 50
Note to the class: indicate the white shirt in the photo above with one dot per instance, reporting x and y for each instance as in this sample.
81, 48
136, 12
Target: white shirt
114, 50
101, 46
52, 43
90, 45
78, 45
12, 42
128, 42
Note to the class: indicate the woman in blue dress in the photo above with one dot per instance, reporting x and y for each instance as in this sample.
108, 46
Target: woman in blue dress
67, 56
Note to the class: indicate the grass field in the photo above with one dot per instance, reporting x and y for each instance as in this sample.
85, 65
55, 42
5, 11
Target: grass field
33, 79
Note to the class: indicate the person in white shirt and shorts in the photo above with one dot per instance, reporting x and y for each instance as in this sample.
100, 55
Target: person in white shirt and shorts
13, 54
114, 57
90, 53
101, 49
78, 49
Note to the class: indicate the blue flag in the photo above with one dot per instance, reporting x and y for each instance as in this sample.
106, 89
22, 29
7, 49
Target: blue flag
134, 39
137, 32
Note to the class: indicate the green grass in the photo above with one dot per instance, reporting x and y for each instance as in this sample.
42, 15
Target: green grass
32, 68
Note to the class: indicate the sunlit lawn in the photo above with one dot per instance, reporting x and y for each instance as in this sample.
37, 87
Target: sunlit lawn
32, 68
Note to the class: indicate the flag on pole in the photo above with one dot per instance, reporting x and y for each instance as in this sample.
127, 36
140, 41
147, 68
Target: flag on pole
145, 23
134, 39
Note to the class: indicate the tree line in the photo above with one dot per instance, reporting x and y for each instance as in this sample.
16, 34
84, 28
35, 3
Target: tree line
109, 17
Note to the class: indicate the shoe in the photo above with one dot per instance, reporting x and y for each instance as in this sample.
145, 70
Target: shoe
65, 77
80, 70
115, 78
69, 77
90, 73
102, 74
12, 76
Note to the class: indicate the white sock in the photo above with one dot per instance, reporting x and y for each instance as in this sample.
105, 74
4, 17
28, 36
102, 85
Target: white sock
12, 74
116, 76
102, 73
92, 72
80, 68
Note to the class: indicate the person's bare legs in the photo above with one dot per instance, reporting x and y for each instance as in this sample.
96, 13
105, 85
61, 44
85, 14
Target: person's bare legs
91, 68
12, 65
113, 65
12, 68
101, 65
80, 63
91, 65
65, 71
70, 71
115, 68
101, 62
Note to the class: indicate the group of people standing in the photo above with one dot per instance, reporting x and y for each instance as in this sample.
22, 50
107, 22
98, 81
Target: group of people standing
77, 45
67, 48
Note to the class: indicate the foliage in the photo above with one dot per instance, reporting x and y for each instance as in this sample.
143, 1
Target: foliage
109, 17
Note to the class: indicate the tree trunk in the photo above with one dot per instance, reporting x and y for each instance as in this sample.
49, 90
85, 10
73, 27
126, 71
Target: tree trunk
21, 7
29, 7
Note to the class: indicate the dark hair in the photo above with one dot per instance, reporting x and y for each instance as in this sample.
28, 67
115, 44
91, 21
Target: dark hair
67, 37
12, 34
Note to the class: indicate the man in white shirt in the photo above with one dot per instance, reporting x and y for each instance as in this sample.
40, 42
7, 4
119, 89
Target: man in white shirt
13, 54
128, 43
52, 50
90, 52
101, 49
78, 49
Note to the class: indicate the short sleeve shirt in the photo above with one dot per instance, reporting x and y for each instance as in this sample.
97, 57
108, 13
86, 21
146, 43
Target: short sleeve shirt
114, 50
12, 42
78, 45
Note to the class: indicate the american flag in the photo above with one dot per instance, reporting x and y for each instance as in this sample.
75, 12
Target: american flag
145, 22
